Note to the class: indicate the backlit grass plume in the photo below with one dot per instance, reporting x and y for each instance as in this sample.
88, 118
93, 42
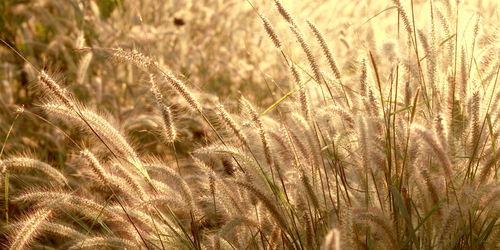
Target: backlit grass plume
394, 147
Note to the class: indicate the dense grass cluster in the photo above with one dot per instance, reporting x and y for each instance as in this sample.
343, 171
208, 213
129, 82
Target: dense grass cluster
370, 140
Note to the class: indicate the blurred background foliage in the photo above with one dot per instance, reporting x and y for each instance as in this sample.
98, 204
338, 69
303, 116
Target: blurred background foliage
217, 46
202, 40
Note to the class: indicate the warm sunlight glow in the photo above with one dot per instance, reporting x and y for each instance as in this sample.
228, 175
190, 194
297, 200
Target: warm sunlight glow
249, 124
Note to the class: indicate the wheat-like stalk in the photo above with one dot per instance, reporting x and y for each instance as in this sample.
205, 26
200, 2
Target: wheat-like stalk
307, 50
407, 161
22, 163
168, 124
102, 128
271, 32
30, 228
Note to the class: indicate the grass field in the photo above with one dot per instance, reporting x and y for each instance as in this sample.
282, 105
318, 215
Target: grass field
249, 124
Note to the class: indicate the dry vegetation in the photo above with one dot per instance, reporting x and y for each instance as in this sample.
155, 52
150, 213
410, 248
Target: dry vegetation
250, 124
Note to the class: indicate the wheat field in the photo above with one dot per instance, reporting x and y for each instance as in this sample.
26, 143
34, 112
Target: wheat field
249, 124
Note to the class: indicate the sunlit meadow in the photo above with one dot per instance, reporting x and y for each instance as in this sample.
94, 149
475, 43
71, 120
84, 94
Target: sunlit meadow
249, 124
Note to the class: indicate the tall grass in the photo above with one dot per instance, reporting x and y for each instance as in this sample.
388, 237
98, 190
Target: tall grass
388, 146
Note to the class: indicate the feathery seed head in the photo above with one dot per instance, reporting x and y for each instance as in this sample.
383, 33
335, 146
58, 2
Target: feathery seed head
181, 88
433, 143
30, 228
95, 165
51, 86
229, 121
135, 57
285, 13
310, 57
169, 130
326, 50
271, 32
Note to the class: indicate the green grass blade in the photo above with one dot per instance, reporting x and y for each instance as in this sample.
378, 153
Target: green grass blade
488, 119
7, 173
95, 219
434, 209
402, 208
279, 101
487, 232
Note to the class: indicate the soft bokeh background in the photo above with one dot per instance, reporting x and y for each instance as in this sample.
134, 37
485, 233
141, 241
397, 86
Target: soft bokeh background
218, 46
